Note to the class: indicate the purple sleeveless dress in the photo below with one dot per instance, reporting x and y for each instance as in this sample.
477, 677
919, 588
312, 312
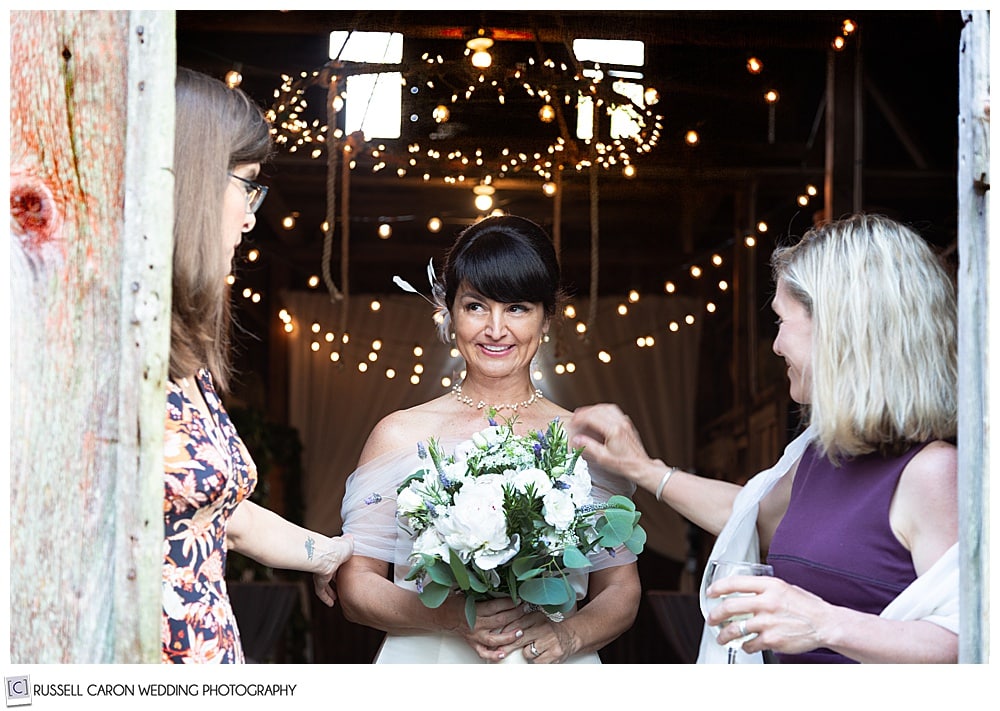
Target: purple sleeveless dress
835, 540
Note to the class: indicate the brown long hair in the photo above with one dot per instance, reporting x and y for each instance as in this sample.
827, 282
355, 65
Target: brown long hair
217, 128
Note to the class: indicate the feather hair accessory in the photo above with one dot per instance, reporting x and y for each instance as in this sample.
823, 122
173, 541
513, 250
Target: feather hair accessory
441, 315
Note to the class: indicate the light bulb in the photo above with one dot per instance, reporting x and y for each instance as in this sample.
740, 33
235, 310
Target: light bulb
481, 60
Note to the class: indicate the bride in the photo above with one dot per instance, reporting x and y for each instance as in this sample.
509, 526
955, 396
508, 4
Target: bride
500, 290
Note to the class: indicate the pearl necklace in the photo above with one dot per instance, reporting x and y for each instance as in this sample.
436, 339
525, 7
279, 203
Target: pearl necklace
457, 390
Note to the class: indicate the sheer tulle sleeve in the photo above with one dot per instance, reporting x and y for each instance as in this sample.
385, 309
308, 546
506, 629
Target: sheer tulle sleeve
369, 508
603, 486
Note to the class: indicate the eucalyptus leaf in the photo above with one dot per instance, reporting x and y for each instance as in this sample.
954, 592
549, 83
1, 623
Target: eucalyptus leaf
433, 594
526, 567
458, 568
477, 584
637, 541
441, 573
573, 558
546, 591
470, 612
620, 522
609, 537
621, 502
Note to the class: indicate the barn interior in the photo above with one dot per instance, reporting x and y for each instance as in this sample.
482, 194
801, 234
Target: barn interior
742, 130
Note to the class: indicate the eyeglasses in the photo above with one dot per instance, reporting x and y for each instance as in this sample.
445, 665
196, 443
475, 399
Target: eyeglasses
255, 192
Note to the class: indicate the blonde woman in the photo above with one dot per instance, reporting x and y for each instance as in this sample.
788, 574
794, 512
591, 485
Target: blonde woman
221, 141
859, 519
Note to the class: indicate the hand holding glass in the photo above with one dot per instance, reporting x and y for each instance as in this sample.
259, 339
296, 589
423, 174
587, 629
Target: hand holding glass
718, 569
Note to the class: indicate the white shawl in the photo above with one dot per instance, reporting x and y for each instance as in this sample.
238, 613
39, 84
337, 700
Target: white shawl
932, 597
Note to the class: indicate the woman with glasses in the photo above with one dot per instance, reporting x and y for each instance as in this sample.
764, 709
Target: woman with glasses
221, 141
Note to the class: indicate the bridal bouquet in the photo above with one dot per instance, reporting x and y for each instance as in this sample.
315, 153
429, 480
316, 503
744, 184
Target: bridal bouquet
507, 516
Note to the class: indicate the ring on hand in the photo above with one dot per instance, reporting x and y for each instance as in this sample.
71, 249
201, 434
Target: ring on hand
534, 650
743, 628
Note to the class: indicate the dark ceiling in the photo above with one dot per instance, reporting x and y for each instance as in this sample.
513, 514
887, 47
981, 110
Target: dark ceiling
684, 204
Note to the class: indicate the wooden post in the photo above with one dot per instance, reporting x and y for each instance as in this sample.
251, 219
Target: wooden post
844, 133
90, 293
973, 334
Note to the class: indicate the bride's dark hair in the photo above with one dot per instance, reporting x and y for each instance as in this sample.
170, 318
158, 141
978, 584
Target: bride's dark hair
508, 259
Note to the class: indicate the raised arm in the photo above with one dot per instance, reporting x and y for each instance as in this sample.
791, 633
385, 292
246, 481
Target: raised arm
611, 441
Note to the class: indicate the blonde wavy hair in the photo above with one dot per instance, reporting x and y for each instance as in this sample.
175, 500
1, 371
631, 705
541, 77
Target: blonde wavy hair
885, 322
217, 129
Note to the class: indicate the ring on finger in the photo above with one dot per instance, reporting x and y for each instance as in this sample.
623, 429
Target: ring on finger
743, 628
534, 650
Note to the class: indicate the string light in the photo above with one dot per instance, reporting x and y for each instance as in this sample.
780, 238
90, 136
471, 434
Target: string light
441, 113
458, 166
479, 46
545, 81
484, 197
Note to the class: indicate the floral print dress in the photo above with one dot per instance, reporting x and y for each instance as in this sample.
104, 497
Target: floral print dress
207, 473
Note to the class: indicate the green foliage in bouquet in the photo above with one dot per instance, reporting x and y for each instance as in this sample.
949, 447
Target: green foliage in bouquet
508, 516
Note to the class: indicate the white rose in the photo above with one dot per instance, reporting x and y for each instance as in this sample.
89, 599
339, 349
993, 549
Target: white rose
487, 437
578, 483
537, 477
476, 520
430, 542
558, 509
455, 471
408, 501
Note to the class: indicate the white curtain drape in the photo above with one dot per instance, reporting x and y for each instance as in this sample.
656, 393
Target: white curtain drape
334, 405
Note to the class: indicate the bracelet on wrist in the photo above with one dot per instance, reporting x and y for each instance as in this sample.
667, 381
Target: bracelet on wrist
663, 482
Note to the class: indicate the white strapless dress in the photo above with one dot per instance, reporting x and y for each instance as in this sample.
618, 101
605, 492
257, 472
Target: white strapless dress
436, 648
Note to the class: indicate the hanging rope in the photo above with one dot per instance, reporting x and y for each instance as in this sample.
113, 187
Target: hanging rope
345, 230
595, 258
332, 156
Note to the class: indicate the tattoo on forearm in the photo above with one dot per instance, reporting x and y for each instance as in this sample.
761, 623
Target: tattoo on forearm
310, 546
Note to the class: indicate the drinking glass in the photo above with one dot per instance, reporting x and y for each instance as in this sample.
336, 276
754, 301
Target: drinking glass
716, 570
